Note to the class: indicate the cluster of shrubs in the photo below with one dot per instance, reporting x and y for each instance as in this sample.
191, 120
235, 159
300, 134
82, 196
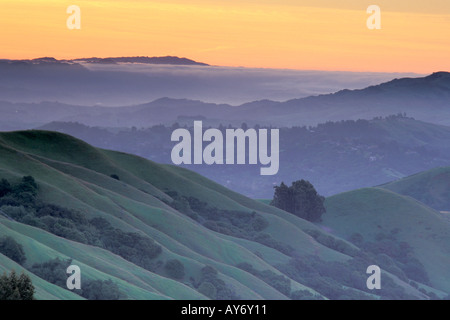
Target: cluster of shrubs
175, 269
386, 251
237, 224
54, 271
340, 280
131, 246
22, 193
333, 243
328, 278
279, 282
12, 249
20, 203
393, 255
211, 286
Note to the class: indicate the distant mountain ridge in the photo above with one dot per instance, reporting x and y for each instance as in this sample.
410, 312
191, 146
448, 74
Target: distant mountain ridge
149, 60
437, 81
425, 98
171, 60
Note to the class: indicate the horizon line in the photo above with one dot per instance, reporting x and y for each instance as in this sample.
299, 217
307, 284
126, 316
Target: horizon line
206, 64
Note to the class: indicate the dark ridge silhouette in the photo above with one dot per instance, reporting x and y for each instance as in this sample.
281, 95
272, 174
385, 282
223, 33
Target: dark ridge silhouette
149, 60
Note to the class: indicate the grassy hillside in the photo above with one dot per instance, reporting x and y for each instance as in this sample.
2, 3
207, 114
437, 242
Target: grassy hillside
375, 217
430, 187
105, 210
75, 175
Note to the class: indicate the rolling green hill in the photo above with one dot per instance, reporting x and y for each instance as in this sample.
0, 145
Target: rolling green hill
385, 222
75, 175
431, 187
96, 207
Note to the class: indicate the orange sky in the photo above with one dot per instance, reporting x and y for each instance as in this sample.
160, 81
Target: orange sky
294, 34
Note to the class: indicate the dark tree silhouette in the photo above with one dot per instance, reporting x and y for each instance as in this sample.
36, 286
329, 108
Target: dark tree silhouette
15, 287
300, 199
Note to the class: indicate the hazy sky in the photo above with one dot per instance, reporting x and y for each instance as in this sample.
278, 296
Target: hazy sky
293, 34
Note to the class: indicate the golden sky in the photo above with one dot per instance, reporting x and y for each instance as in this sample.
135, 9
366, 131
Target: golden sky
293, 34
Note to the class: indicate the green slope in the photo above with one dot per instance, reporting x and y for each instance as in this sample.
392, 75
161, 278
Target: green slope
75, 175
375, 212
431, 187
